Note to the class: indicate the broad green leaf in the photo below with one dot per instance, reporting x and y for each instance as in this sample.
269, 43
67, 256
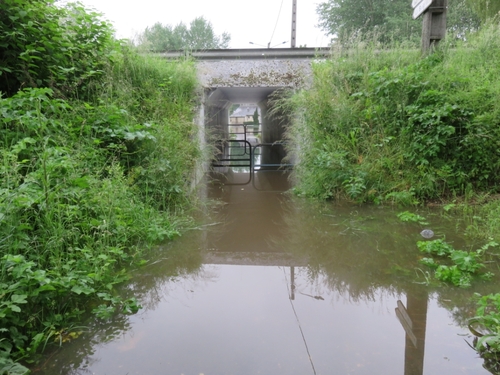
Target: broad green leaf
19, 298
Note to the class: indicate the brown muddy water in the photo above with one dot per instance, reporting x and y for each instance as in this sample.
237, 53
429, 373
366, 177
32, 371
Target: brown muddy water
271, 284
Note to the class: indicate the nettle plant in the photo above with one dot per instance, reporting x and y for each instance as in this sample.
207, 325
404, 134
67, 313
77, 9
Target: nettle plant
461, 266
457, 267
46, 45
486, 327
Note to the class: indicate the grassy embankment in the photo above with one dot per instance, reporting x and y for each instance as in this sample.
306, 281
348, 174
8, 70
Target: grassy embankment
97, 154
386, 124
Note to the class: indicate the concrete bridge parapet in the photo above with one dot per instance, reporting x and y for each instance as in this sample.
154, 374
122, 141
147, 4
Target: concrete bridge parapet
280, 67
254, 73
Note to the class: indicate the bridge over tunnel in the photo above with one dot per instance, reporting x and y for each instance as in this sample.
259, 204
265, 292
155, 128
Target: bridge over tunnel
239, 110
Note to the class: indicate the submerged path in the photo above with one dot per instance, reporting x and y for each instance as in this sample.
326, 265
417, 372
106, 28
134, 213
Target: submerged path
274, 285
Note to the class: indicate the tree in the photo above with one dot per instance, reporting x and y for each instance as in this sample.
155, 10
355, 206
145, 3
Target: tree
461, 18
199, 35
388, 19
485, 9
256, 117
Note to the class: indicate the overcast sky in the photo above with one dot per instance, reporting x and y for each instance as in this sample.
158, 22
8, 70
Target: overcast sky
246, 21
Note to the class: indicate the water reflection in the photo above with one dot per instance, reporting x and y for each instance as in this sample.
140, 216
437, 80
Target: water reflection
413, 318
275, 285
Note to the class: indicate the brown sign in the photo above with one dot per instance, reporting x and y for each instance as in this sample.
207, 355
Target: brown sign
406, 322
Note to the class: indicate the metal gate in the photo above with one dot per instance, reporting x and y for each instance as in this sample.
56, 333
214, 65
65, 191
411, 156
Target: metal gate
233, 153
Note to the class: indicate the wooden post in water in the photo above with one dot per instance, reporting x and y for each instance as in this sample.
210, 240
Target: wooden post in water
294, 24
414, 354
413, 318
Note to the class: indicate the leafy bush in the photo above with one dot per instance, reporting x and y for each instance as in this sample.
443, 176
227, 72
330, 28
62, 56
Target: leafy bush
44, 45
96, 159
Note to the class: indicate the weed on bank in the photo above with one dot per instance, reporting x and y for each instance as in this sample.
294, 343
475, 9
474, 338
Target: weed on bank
96, 155
386, 124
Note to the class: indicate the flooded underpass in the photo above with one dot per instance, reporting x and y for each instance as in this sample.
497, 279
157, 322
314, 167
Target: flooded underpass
271, 284
268, 283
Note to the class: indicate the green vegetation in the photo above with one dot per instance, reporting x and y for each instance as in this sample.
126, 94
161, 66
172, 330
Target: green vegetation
483, 218
47, 46
486, 9
486, 327
452, 266
389, 125
97, 155
199, 35
392, 20
460, 268
412, 218
464, 264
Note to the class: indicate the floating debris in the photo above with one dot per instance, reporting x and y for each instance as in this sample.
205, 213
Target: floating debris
427, 233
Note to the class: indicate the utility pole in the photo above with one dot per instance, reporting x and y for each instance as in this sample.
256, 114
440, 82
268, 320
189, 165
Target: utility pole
294, 23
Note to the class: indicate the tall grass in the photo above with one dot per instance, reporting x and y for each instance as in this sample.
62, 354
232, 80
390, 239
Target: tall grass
163, 95
387, 124
97, 153
86, 183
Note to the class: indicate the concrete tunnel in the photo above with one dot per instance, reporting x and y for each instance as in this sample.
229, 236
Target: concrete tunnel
251, 76
217, 103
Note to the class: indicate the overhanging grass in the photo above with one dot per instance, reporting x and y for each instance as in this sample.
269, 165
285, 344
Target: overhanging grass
387, 124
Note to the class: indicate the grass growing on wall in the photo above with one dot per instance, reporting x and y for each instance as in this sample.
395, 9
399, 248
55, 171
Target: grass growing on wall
390, 125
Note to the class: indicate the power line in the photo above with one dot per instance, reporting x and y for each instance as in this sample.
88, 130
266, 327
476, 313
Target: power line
298, 322
276, 24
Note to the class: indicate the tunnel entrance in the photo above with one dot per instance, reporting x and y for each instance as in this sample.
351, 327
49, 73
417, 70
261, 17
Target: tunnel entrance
246, 130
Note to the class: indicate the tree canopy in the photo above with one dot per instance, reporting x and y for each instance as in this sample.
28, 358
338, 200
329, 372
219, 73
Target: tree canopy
390, 19
198, 35
343, 18
485, 9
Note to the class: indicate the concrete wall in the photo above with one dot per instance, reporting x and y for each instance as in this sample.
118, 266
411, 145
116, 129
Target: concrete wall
254, 73
273, 129
216, 113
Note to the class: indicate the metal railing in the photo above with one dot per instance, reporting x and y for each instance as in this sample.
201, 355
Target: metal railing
240, 154
227, 158
272, 165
